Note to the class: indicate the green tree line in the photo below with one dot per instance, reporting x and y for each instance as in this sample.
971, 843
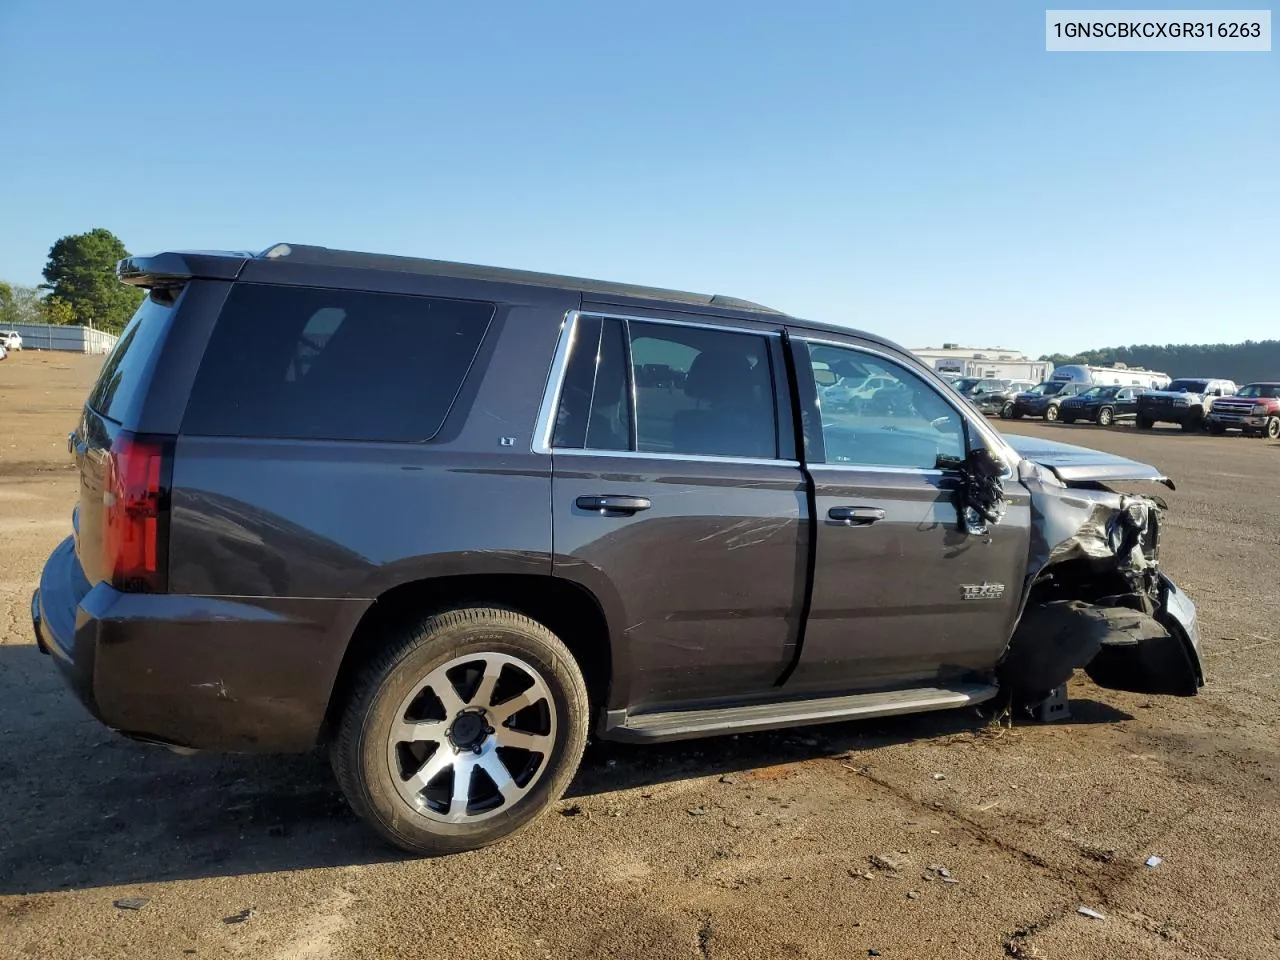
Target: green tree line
1241, 362
80, 286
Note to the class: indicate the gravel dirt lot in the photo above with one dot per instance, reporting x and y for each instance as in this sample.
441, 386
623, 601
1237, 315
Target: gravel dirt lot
754, 846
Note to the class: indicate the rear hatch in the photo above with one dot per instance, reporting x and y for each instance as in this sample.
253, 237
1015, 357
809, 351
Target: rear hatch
119, 520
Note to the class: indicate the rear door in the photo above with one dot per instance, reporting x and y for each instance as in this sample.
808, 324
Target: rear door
901, 594
678, 501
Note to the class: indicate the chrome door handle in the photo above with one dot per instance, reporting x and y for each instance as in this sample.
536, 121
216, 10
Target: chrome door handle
613, 504
855, 516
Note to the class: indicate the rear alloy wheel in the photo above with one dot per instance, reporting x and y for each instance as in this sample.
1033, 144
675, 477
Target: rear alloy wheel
1272, 429
1106, 417
1051, 412
461, 731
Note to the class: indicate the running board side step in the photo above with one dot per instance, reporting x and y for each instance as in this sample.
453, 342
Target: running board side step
687, 724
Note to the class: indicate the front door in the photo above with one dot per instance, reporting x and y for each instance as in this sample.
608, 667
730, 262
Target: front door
902, 596
678, 502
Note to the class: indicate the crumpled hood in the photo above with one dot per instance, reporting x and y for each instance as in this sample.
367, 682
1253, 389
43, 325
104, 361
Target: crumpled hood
1073, 464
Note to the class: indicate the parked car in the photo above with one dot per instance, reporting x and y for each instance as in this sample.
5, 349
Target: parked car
4, 354
987, 394
1102, 405
1000, 401
1254, 411
1187, 401
1043, 399
10, 340
428, 516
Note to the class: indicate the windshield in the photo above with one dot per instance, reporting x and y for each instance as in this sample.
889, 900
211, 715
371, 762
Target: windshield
1053, 388
1270, 390
1187, 386
965, 384
1100, 392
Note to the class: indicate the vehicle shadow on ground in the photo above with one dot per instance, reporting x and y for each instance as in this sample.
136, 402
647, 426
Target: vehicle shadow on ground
83, 807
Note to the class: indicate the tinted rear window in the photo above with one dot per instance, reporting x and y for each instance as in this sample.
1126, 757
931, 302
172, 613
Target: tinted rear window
122, 384
334, 364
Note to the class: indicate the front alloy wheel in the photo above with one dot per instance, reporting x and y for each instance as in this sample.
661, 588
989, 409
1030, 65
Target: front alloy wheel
1105, 417
1051, 413
1272, 429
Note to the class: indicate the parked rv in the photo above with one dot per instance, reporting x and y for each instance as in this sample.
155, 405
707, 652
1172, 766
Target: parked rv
1110, 376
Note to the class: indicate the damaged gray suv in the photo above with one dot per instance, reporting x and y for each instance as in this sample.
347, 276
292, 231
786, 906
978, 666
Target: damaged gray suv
448, 520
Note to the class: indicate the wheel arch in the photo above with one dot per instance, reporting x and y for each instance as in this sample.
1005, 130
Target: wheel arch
567, 609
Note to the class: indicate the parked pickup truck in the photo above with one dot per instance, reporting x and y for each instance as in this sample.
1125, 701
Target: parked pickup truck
1254, 411
437, 517
1186, 401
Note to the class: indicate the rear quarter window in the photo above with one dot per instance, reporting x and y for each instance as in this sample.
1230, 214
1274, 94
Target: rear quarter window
313, 363
121, 385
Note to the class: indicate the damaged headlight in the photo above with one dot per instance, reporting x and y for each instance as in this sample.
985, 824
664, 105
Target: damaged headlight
1131, 532
1136, 514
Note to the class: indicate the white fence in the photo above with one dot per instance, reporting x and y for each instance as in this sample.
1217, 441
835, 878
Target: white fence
54, 336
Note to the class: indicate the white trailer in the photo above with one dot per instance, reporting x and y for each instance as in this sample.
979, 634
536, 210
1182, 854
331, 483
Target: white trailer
1117, 376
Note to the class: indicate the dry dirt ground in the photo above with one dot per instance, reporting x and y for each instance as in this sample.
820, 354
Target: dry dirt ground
756, 846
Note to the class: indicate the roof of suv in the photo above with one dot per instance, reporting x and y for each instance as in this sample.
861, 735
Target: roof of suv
175, 266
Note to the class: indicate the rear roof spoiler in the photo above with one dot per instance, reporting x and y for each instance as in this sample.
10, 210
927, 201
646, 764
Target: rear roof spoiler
167, 270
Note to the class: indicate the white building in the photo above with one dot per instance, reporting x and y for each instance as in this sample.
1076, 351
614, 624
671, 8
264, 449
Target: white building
72, 337
951, 358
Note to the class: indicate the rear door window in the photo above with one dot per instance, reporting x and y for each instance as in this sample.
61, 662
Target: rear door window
298, 362
122, 383
697, 391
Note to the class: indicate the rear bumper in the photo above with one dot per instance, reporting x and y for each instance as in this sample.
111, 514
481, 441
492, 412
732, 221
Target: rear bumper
243, 675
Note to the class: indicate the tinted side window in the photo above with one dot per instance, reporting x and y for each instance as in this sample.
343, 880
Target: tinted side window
878, 413
120, 387
702, 392
593, 410
333, 364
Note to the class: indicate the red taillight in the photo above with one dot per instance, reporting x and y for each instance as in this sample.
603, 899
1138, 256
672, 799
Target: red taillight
133, 502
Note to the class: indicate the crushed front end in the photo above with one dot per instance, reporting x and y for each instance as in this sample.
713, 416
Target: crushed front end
1094, 596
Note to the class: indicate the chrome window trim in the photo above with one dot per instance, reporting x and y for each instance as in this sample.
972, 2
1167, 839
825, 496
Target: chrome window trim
675, 457
876, 468
991, 436
544, 427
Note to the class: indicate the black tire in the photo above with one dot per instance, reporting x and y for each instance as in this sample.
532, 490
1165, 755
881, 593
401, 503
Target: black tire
1062, 419
1051, 413
1006, 412
363, 750
1272, 430
1216, 429
1193, 422
1143, 423
1106, 417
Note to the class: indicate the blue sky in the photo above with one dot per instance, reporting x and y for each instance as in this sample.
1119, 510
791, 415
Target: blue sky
923, 170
